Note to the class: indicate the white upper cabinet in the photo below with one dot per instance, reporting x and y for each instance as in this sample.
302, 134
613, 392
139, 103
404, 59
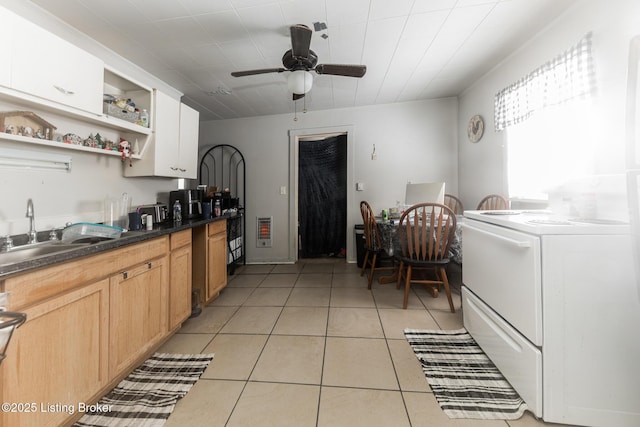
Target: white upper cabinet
44, 65
189, 130
6, 40
167, 135
173, 151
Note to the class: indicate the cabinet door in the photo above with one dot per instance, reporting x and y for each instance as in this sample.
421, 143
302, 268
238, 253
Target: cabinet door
167, 135
59, 356
217, 264
138, 312
49, 67
189, 130
180, 286
8, 20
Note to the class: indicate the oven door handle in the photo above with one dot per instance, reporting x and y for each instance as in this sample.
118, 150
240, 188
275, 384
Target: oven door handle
517, 243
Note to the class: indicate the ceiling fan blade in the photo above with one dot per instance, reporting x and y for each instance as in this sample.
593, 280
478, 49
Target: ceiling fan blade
297, 96
259, 71
342, 70
300, 40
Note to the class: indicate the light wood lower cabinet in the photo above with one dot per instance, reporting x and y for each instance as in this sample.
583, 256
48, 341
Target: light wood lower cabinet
181, 276
58, 357
91, 320
210, 259
138, 312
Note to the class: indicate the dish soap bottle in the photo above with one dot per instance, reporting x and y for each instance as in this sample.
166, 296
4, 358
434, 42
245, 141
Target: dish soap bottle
177, 212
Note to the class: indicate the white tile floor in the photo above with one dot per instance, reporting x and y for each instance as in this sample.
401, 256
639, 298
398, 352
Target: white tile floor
309, 345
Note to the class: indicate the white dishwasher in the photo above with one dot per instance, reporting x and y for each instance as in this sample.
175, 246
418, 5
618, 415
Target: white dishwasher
552, 302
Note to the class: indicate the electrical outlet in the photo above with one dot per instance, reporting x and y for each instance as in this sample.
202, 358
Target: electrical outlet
283, 190
359, 186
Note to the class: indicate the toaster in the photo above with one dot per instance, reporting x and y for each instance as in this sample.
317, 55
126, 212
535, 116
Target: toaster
158, 212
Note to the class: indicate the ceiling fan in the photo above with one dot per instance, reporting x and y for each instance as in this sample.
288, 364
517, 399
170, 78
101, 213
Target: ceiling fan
300, 60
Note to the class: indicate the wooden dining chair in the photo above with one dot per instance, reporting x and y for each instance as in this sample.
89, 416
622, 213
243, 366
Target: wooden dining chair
426, 231
453, 203
375, 257
493, 202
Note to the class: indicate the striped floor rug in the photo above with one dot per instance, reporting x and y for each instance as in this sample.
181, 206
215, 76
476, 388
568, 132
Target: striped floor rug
148, 395
464, 381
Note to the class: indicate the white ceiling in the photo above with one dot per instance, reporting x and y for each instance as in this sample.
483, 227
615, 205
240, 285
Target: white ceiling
413, 49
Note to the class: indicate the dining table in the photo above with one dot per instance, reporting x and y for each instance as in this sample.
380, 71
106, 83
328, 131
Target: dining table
391, 243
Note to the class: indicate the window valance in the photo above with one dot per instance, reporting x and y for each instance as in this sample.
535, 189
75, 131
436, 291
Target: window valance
568, 76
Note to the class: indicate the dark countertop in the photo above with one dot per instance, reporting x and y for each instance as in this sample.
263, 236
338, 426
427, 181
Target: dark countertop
128, 238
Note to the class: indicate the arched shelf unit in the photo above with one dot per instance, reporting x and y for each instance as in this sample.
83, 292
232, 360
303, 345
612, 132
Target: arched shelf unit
222, 166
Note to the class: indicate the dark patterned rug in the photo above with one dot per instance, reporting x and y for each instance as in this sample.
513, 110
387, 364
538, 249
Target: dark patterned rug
464, 381
149, 394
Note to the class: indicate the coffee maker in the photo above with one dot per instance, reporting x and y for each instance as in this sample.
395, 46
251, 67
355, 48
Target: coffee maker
190, 201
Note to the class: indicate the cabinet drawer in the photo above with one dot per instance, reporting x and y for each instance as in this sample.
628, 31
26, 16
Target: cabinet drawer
31, 287
516, 358
181, 238
219, 226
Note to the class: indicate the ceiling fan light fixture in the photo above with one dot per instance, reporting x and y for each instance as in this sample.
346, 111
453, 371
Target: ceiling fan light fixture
300, 81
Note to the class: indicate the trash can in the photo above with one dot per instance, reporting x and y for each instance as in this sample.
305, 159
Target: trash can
358, 229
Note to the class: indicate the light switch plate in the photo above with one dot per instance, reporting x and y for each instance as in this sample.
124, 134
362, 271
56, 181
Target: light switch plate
359, 186
283, 190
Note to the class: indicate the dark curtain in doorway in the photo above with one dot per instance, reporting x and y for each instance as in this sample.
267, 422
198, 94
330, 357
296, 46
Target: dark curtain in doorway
322, 196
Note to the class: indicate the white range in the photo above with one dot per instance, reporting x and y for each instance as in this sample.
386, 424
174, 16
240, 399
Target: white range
553, 302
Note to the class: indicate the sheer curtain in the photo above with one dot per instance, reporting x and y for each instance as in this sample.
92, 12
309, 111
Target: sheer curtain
548, 120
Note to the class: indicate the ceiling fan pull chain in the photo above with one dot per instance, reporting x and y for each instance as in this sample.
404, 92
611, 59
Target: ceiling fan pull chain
295, 111
304, 105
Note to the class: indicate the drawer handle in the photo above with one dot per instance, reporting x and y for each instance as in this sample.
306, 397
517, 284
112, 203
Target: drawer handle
149, 265
64, 91
125, 275
512, 242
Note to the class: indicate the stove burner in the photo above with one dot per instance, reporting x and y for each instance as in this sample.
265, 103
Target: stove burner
597, 221
502, 213
548, 222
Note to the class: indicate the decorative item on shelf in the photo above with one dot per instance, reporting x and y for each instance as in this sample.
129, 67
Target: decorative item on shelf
99, 141
72, 138
109, 145
26, 123
125, 149
90, 142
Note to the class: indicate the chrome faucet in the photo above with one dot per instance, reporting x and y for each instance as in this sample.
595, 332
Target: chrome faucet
33, 235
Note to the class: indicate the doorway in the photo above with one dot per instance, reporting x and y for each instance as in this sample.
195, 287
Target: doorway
296, 136
322, 196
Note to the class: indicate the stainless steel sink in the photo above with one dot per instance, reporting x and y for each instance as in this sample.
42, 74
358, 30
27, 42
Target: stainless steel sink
37, 250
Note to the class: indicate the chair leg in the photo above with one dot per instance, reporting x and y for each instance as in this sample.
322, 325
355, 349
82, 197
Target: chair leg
373, 268
445, 282
364, 263
400, 269
407, 286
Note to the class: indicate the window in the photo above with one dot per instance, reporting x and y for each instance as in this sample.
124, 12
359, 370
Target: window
548, 120
550, 148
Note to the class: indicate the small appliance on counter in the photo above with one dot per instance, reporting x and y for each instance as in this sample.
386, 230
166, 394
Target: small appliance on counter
190, 201
158, 212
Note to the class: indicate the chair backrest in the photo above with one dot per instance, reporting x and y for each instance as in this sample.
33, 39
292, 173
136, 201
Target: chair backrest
372, 239
493, 202
426, 231
453, 203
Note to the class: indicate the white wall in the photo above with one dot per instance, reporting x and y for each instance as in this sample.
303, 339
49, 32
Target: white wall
77, 196
415, 141
613, 23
